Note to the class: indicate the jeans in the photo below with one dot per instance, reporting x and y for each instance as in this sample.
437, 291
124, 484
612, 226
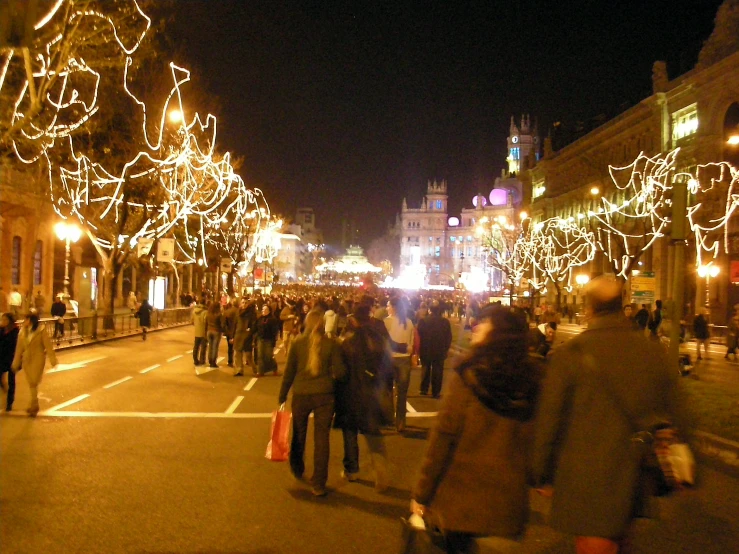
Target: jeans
433, 373
402, 367
230, 343
265, 356
11, 388
214, 341
198, 350
322, 406
376, 445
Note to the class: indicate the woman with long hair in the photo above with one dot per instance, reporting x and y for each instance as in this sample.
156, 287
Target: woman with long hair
401, 331
34, 346
8, 341
473, 475
313, 363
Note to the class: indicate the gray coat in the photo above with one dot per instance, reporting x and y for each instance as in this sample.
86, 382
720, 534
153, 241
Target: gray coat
31, 352
582, 442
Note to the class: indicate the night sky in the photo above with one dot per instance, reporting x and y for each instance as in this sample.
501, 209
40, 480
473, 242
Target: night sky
350, 106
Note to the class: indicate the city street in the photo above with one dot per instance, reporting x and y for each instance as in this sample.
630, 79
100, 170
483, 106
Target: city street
135, 452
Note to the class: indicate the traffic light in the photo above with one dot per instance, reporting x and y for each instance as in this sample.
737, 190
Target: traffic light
17, 19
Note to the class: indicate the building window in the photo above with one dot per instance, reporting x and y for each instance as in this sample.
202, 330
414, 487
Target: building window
38, 258
684, 122
437, 252
516, 153
431, 239
453, 239
15, 270
538, 189
438, 204
469, 238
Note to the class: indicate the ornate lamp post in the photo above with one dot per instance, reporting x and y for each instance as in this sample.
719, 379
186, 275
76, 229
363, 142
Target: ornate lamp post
68, 233
708, 271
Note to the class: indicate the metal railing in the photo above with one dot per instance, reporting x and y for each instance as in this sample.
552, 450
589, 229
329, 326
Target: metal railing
95, 327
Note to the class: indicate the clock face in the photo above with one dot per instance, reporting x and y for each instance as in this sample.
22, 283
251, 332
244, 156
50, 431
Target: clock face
514, 140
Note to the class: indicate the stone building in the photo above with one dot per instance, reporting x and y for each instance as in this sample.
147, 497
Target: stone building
697, 112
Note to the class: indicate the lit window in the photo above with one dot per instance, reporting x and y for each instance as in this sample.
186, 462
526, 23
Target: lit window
437, 252
15, 269
469, 238
516, 153
453, 239
431, 239
438, 204
538, 189
38, 257
684, 122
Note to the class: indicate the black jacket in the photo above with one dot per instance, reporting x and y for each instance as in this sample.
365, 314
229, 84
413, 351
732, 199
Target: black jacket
58, 309
8, 340
268, 328
435, 333
144, 314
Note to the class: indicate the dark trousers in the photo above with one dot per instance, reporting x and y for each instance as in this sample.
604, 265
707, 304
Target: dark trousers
11, 389
265, 356
322, 406
376, 444
433, 373
58, 329
214, 341
460, 543
198, 350
402, 380
230, 342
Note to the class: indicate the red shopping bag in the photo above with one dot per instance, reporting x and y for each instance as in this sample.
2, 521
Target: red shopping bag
278, 447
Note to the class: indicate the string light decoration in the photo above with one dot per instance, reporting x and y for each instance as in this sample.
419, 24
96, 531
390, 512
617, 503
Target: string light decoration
56, 91
555, 248
504, 247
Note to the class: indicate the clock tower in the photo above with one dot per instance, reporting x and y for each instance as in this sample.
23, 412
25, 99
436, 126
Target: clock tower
523, 144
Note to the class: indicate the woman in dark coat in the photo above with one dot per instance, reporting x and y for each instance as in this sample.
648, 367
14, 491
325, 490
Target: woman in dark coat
267, 331
474, 473
8, 340
364, 400
244, 336
144, 315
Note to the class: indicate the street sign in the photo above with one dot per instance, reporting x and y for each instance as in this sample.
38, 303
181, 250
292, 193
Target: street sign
226, 265
643, 287
165, 250
143, 247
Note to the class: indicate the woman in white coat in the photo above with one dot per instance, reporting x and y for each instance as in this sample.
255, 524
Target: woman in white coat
32, 349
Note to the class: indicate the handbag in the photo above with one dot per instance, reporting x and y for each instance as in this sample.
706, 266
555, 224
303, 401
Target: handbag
419, 539
278, 447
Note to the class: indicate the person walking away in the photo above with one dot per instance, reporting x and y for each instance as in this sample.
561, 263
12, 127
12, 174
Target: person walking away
58, 311
31, 352
246, 324
655, 321
230, 316
15, 299
214, 329
289, 320
313, 364
435, 333
266, 334
144, 315
596, 385
642, 317
702, 334
8, 341
39, 302
732, 337
400, 329
364, 400
199, 315
474, 473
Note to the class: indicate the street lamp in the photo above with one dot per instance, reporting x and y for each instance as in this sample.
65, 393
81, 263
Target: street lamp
68, 233
733, 140
175, 116
708, 271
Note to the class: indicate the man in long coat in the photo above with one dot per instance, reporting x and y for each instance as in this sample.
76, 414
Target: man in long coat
599, 388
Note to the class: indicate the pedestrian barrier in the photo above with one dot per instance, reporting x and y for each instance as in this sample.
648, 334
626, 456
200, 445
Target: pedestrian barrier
96, 327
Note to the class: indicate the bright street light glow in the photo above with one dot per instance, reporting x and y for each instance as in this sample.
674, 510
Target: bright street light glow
67, 231
733, 140
709, 270
595, 191
175, 116
582, 279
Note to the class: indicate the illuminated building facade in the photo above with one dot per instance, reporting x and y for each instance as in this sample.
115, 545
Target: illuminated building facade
697, 112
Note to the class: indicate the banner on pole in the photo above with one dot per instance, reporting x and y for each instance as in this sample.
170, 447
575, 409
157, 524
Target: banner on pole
165, 250
226, 264
143, 247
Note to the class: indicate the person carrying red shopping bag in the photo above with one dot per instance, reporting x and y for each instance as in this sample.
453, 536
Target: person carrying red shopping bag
278, 447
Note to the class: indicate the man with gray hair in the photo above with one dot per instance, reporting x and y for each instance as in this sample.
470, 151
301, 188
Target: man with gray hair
599, 388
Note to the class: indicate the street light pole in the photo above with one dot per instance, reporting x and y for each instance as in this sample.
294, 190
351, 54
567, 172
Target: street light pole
69, 234
679, 242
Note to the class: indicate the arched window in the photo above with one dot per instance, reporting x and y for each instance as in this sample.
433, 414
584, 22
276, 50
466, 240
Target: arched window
38, 258
15, 270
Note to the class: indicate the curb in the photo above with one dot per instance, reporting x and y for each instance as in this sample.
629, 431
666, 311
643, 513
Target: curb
90, 342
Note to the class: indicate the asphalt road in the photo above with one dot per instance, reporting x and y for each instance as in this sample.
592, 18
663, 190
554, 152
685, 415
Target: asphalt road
135, 452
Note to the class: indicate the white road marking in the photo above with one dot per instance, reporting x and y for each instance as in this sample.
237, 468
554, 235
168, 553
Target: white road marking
169, 415
219, 360
251, 383
118, 382
173, 358
68, 403
188, 351
410, 408
75, 365
235, 404
150, 368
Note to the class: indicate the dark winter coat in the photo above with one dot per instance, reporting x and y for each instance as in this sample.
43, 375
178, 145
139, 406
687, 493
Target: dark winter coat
583, 437
363, 399
474, 475
246, 324
436, 337
700, 327
297, 375
8, 341
642, 318
214, 323
268, 328
230, 315
58, 309
144, 314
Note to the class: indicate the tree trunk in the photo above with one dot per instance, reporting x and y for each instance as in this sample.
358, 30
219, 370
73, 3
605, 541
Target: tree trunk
177, 284
559, 294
